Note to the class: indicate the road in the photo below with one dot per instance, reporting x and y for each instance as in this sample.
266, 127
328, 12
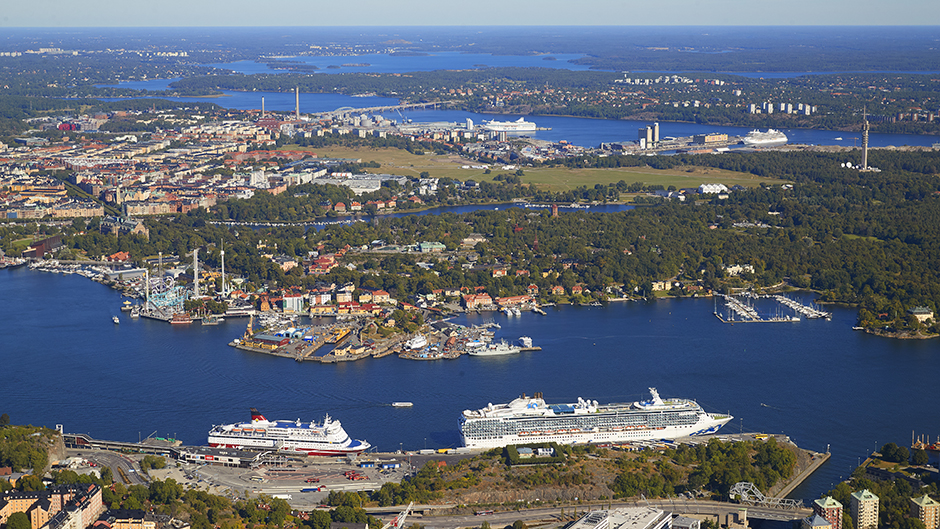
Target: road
116, 461
561, 515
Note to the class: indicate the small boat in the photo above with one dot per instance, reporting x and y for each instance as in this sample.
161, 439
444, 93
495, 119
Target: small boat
115, 319
839, 138
402, 404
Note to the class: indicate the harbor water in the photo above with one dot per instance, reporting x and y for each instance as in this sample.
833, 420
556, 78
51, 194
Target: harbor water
817, 381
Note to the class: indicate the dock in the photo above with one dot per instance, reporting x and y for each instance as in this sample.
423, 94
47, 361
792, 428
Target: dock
741, 312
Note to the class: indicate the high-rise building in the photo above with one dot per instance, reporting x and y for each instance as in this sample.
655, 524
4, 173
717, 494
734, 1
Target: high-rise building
830, 509
645, 134
864, 509
927, 510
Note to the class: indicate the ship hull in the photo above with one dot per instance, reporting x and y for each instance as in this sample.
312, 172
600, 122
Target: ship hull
531, 420
599, 436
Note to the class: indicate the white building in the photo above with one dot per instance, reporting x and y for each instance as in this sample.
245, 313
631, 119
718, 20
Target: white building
625, 518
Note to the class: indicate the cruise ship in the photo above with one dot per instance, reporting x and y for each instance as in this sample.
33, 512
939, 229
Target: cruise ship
531, 420
325, 439
520, 125
756, 138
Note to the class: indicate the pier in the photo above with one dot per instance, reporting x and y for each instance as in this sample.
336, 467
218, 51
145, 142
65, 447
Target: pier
806, 310
740, 311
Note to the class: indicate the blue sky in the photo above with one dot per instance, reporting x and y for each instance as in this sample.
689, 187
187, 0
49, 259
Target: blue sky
131, 13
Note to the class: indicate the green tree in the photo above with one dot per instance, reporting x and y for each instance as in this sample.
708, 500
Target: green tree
4, 420
18, 520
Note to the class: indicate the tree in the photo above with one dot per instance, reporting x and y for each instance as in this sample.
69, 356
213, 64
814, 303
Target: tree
18, 520
919, 457
4, 419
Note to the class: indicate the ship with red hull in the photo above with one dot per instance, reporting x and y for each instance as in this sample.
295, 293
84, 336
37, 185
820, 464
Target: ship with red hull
318, 439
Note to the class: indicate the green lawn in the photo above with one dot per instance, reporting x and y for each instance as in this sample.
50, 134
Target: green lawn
400, 162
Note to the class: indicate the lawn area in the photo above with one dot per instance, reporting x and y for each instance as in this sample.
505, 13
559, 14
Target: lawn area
401, 162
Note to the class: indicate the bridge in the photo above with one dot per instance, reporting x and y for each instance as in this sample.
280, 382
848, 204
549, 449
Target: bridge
346, 111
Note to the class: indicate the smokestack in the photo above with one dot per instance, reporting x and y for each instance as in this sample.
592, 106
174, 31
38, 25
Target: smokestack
262, 107
297, 107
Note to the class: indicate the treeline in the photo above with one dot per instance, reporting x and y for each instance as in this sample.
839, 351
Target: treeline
24, 448
715, 467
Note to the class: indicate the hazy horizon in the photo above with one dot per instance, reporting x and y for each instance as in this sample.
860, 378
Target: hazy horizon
379, 13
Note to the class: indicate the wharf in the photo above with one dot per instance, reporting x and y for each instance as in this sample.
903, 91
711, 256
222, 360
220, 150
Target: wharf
536, 348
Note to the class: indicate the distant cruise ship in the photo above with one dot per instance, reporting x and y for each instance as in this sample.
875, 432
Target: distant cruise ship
520, 125
756, 138
530, 420
326, 439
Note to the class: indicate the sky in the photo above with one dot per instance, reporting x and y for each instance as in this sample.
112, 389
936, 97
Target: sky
151, 13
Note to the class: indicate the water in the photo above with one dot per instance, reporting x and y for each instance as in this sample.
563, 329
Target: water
578, 131
817, 381
385, 63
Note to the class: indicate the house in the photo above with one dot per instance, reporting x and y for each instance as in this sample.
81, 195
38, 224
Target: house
921, 313
558, 290
499, 272
473, 301
511, 301
533, 289
339, 207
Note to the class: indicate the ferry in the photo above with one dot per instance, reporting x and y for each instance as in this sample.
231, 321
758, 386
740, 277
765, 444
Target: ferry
324, 439
530, 419
520, 125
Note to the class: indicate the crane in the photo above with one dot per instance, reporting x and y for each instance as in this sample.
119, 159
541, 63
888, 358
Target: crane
399, 521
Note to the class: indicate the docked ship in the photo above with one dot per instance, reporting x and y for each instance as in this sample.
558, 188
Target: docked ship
325, 439
531, 420
495, 349
520, 125
756, 138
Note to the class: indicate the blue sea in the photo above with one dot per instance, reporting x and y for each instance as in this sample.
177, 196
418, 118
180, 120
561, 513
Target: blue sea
817, 381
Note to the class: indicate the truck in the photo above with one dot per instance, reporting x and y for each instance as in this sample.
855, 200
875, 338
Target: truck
282, 496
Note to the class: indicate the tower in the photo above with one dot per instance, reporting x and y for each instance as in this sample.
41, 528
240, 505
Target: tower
830, 509
196, 273
222, 253
864, 509
297, 103
864, 139
262, 107
655, 132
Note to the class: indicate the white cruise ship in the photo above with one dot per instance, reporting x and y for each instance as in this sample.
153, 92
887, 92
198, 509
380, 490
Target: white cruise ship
326, 439
756, 138
531, 420
520, 125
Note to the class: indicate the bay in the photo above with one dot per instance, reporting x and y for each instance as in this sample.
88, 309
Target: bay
388, 63
578, 131
817, 381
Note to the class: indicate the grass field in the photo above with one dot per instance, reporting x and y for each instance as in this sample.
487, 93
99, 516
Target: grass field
400, 162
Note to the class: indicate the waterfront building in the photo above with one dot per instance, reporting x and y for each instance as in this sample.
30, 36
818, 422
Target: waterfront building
921, 313
864, 509
830, 509
927, 510
625, 518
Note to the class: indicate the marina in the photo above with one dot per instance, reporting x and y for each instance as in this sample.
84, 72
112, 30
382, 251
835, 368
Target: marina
743, 311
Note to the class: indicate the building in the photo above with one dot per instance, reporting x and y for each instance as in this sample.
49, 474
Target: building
830, 509
129, 519
815, 521
864, 510
61, 506
927, 510
921, 313
625, 518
